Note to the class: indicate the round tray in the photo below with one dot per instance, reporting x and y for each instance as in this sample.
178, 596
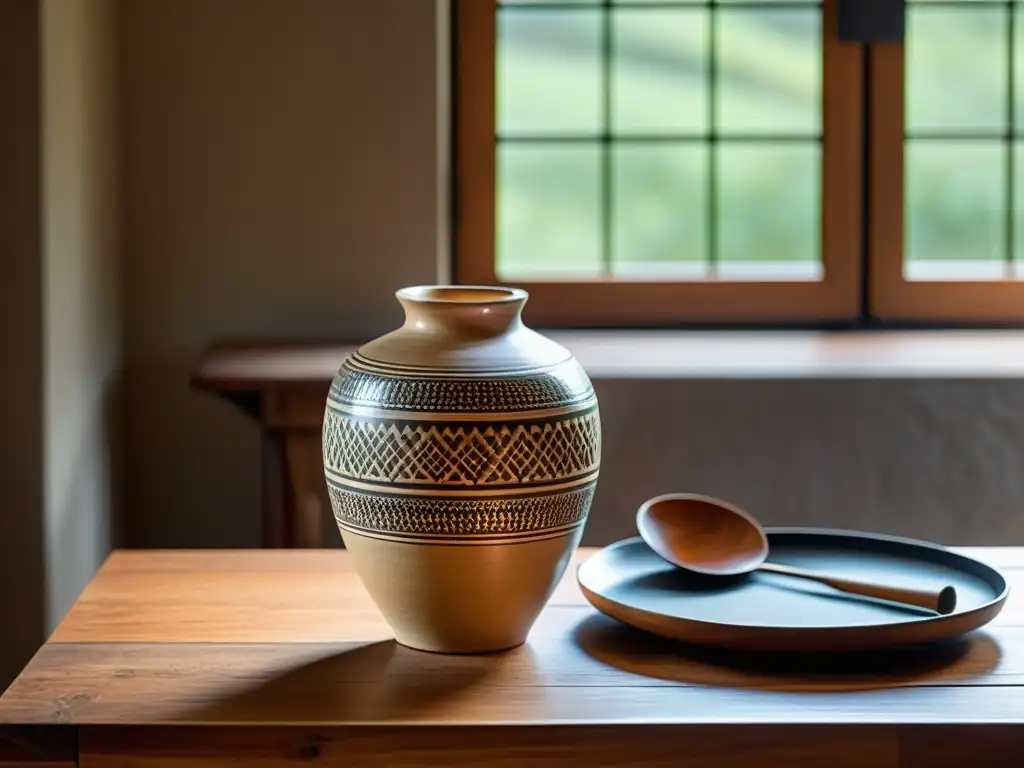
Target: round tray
761, 611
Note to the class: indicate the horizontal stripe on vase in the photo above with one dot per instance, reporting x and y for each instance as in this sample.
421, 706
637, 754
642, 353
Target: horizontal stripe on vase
462, 454
476, 517
551, 387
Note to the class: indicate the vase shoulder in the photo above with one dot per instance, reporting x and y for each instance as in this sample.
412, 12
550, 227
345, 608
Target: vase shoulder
461, 329
413, 351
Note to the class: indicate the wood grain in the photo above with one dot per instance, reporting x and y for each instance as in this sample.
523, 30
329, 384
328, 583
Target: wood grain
692, 747
113, 687
305, 682
301, 667
628, 745
235, 596
278, 596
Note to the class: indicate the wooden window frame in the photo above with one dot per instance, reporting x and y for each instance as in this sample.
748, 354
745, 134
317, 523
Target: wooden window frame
837, 296
892, 297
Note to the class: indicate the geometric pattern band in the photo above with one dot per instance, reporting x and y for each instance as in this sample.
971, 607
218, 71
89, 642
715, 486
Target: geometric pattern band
460, 517
484, 454
565, 384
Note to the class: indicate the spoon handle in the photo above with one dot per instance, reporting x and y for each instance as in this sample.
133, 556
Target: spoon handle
941, 601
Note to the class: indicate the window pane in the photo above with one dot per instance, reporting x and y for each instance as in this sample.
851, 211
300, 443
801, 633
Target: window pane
659, 70
957, 67
549, 210
549, 71
660, 210
769, 70
1018, 66
955, 209
1018, 212
769, 211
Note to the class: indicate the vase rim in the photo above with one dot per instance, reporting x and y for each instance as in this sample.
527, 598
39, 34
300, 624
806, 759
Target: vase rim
461, 294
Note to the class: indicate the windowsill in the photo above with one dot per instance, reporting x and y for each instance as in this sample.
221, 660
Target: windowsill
242, 366
671, 354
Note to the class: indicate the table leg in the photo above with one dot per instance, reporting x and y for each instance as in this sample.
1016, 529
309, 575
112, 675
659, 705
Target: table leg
305, 472
275, 495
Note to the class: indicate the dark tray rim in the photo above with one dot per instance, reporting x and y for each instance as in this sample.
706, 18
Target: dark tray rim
922, 629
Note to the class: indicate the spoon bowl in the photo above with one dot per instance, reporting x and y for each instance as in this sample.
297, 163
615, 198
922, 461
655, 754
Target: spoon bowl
709, 536
702, 534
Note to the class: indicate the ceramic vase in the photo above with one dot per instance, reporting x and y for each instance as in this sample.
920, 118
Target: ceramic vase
461, 453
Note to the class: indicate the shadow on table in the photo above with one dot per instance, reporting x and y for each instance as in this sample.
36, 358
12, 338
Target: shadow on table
371, 682
639, 653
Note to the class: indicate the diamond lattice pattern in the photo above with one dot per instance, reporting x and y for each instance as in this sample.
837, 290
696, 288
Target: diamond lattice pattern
486, 454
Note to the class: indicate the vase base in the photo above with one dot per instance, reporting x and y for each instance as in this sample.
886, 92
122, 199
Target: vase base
455, 651
462, 598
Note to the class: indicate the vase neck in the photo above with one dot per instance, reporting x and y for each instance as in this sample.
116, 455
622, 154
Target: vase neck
469, 311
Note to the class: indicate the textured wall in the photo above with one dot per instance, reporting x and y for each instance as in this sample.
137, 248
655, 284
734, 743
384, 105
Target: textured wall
282, 179
939, 460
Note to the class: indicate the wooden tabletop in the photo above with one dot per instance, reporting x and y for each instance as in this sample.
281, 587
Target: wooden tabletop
290, 641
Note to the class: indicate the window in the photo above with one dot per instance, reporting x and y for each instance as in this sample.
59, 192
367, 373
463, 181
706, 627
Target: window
945, 176
648, 162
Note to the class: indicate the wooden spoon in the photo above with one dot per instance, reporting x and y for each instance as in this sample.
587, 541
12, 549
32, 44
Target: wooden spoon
709, 536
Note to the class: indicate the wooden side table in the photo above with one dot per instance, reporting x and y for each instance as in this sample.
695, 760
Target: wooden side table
284, 387
278, 658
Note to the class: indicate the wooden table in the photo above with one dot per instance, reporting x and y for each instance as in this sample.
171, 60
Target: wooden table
283, 386
275, 658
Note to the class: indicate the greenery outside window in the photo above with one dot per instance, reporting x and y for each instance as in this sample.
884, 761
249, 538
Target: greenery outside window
655, 162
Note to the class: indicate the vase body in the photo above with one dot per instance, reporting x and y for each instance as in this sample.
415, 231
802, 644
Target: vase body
461, 454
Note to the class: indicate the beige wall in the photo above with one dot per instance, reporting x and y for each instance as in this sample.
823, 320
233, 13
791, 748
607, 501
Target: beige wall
281, 179
80, 294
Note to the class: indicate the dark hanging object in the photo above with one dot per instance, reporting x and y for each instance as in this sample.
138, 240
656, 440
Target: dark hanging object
871, 21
